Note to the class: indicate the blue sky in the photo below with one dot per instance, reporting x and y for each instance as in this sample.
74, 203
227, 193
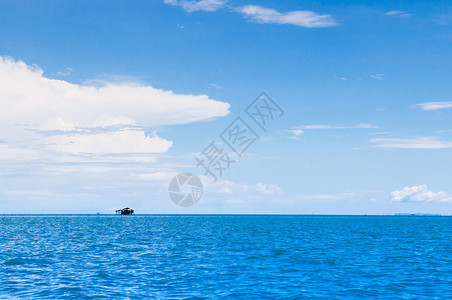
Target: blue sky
102, 103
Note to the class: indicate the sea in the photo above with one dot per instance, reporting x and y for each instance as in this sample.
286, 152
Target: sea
225, 257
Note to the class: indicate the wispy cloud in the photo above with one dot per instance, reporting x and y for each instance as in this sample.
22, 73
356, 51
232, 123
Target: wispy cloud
66, 72
229, 187
381, 133
444, 19
398, 13
378, 76
214, 86
411, 143
434, 105
202, 5
259, 14
338, 196
305, 18
419, 193
295, 131
323, 126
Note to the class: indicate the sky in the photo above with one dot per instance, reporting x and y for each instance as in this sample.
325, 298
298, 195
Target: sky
102, 103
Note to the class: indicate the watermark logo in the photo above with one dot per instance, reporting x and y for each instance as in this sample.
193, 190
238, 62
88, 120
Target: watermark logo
239, 136
263, 110
185, 189
215, 160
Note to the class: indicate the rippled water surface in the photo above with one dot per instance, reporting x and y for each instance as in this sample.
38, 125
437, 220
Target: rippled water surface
274, 257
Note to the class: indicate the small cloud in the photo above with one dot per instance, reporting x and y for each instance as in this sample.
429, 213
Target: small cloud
338, 196
444, 19
230, 187
295, 131
381, 133
434, 105
398, 13
214, 86
305, 18
378, 76
66, 72
180, 26
108, 79
419, 193
202, 5
359, 126
164, 176
267, 189
413, 143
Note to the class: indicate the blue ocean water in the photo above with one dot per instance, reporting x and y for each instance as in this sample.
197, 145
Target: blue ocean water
237, 257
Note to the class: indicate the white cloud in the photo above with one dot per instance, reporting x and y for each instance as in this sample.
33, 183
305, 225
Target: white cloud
107, 121
229, 187
411, 143
66, 72
381, 133
267, 189
419, 193
378, 76
398, 13
57, 124
214, 86
164, 176
202, 5
263, 15
28, 97
13, 153
338, 196
434, 105
324, 126
295, 131
260, 14
124, 141
31, 103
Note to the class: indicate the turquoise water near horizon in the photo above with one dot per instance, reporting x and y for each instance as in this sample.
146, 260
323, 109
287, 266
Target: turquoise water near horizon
225, 256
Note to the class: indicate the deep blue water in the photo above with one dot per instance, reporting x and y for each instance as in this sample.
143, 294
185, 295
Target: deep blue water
246, 257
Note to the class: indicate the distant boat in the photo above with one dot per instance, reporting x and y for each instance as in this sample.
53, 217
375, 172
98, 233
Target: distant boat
125, 211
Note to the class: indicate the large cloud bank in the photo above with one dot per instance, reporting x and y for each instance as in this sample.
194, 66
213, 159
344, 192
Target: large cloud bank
75, 118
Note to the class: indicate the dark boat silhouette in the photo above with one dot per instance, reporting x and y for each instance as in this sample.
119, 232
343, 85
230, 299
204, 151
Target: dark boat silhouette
125, 211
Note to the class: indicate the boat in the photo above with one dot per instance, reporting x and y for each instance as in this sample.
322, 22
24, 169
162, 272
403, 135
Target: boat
125, 211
